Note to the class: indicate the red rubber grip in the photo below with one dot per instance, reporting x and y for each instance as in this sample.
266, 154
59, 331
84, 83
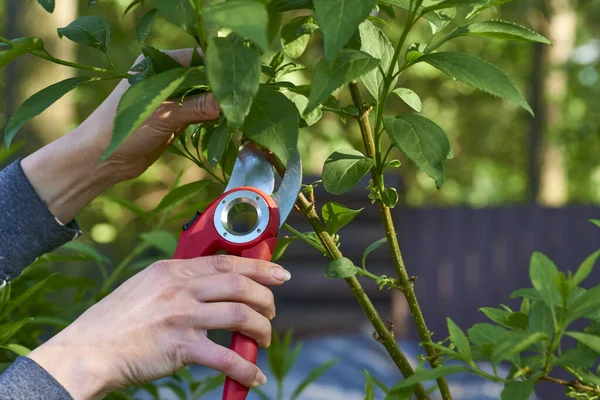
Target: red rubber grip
202, 239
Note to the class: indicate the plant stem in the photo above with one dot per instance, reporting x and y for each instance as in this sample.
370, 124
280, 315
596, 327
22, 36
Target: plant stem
385, 336
573, 384
390, 231
47, 56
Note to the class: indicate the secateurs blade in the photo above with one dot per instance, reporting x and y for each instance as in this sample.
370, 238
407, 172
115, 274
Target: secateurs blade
244, 221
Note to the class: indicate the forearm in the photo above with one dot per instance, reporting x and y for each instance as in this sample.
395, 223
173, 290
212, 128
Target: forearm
67, 174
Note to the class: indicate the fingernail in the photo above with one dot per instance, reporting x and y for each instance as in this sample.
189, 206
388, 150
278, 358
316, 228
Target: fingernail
281, 274
261, 379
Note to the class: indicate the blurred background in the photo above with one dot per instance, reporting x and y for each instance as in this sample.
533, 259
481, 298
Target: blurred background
516, 184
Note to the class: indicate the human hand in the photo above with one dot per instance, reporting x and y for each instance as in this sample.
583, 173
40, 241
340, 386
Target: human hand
156, 322
67, 174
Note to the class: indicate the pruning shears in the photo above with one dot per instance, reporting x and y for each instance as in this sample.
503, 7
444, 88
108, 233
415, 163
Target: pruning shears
244, 221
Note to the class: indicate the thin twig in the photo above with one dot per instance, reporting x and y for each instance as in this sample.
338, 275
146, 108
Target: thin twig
390, 230
572, 384
386, 337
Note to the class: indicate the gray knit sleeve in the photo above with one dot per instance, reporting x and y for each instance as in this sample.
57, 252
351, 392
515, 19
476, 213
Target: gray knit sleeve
26, 380
27, 228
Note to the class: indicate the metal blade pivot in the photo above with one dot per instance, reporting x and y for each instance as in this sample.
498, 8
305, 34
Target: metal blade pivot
290, 186
252, 169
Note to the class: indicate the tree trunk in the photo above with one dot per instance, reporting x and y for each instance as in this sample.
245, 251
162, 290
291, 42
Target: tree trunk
560, 28
37, 73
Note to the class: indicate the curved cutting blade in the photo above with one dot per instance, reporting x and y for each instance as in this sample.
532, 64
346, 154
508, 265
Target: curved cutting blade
252, 169
290, 186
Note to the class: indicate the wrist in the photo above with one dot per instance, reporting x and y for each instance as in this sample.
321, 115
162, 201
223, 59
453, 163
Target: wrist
67, 174
76, 371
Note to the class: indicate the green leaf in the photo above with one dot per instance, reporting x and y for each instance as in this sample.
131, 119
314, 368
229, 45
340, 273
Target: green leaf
17, 349
18, 47
197, 60
422, 142
542, 272
578, 357
132, 5
127, 204
339, 19
162, 240
390, 197
181, 193
516, 320
330, 75
482, 334
161, 62
585, 269
517, 390
344, 169
291, 5
312, 376
295, 35
540, 320
37, 103
459, 339
477, 73
337, 216
217, 144
301, 101
7, 331
591, 341
90, 30
515, 342
247, 18
442, 19
145, 25
282, 245
410, 98
584, 304
498, 29
369, 387
139, 102
498, 316
375, 43
23, 297
48, 5
234, 75
563, 286
428, 375
450, 3
595, 222
273, 123
341, 268
179, 12
372, 247
86, 251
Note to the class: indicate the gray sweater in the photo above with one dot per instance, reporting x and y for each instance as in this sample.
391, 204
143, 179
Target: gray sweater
27, 230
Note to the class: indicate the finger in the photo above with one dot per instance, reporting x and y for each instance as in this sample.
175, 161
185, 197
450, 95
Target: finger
235, 287
234, 317
194, 110
231, 364
264, 272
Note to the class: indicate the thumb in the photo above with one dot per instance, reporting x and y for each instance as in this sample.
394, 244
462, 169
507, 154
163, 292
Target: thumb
195, 110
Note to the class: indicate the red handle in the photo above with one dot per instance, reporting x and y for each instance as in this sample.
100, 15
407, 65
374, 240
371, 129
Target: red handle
202, 239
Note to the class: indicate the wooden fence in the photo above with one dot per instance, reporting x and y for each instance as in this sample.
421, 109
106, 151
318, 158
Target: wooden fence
463, 259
